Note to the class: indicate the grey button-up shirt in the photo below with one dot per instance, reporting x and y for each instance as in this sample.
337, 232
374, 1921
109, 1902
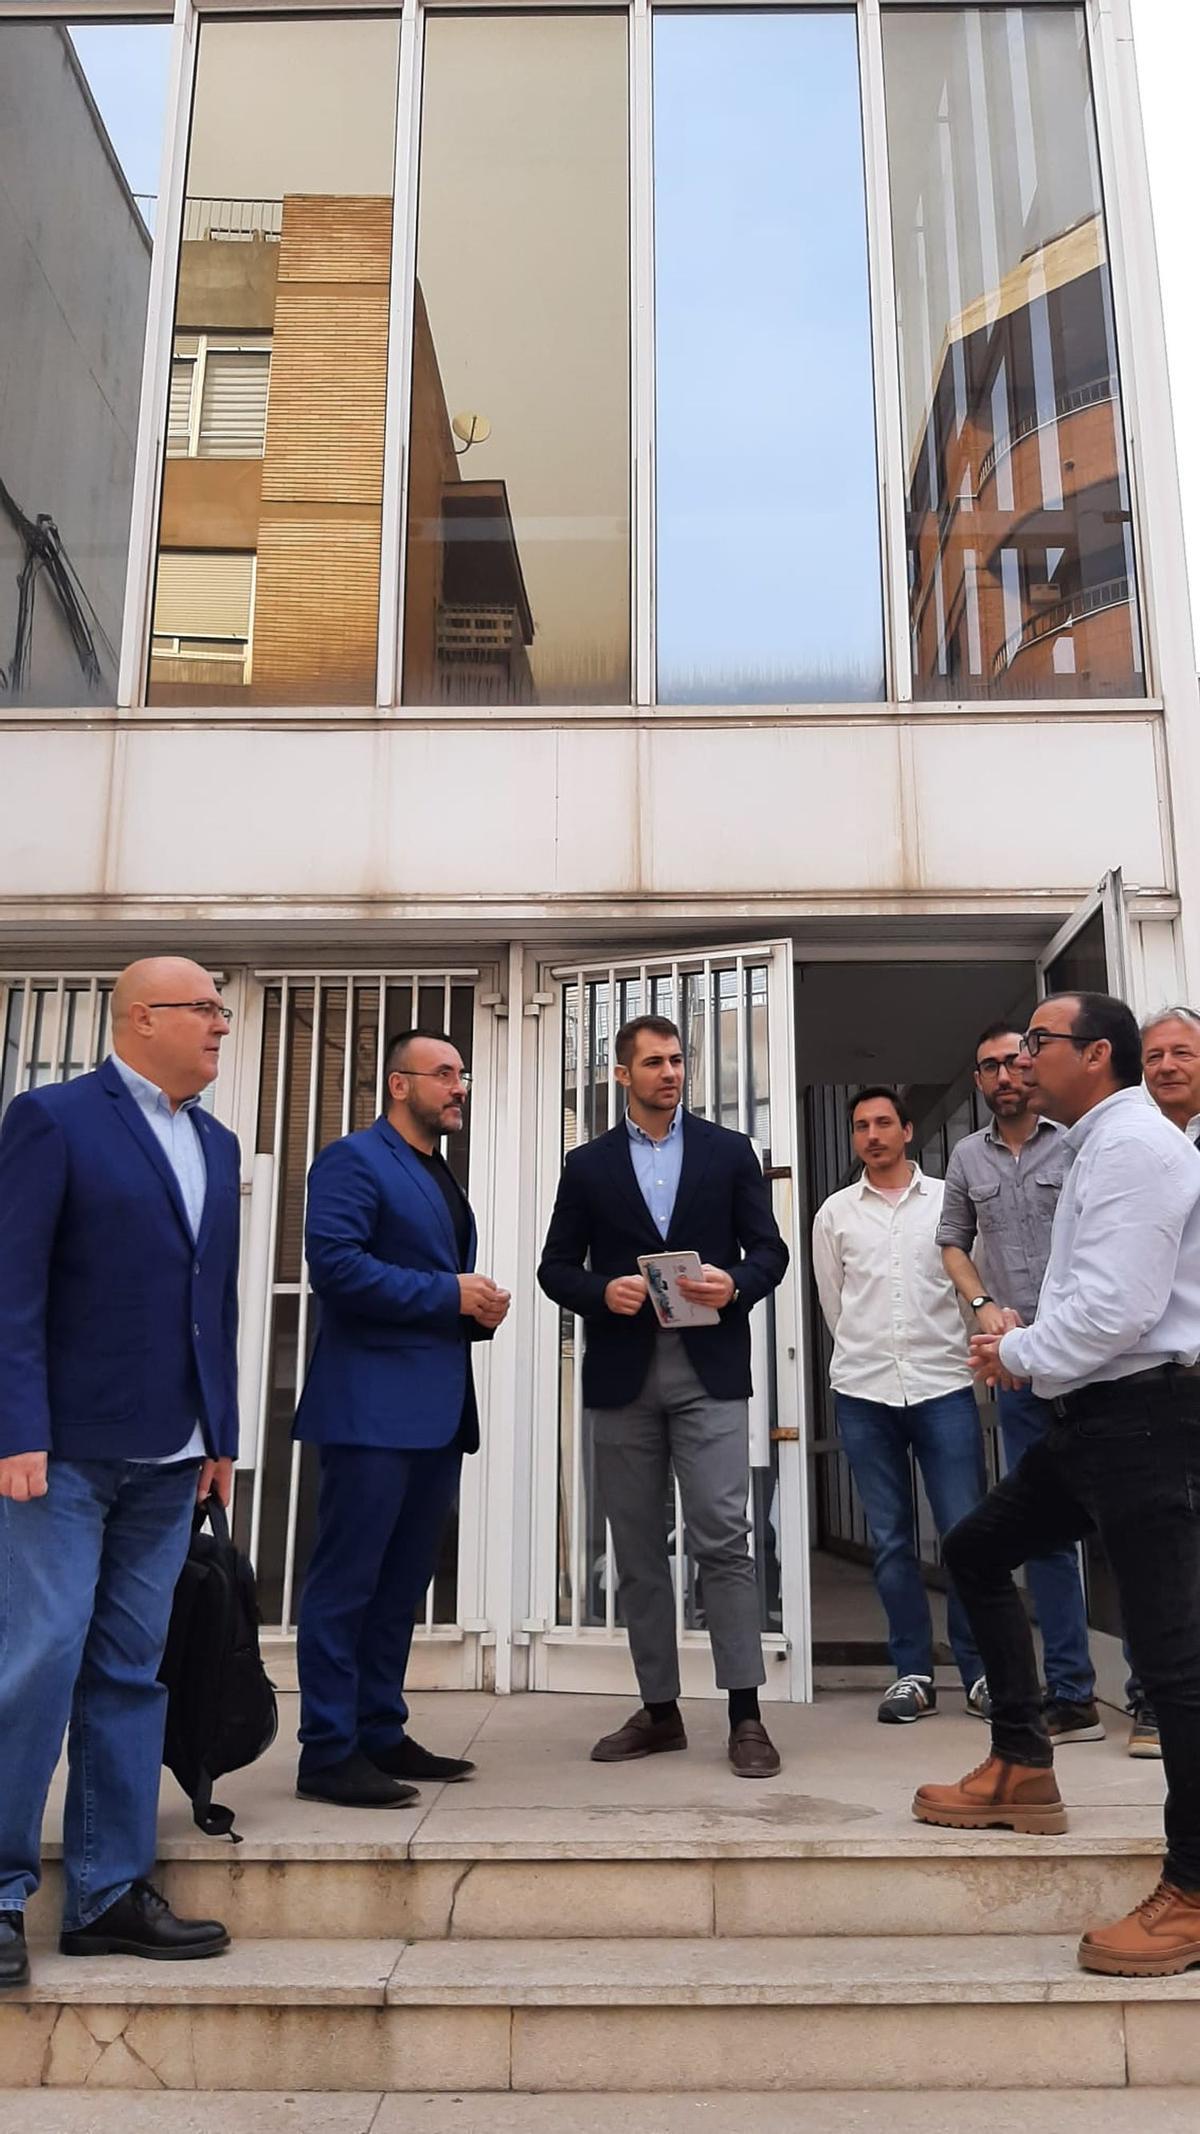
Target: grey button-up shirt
1007, 1203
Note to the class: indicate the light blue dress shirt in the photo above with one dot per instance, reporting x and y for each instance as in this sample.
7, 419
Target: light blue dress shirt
657, 1166
176, 1135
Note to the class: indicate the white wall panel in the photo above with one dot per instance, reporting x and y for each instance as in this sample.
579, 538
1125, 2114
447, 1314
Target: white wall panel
864, 807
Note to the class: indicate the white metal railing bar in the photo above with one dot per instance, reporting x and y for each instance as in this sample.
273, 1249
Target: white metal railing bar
264, 1390
310, 1138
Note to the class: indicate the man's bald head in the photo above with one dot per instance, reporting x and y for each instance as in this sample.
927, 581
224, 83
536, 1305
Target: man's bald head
168, 1023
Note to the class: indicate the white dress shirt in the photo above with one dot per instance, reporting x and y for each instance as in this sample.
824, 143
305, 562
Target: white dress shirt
175, 1133
1122, 1287
898, 1332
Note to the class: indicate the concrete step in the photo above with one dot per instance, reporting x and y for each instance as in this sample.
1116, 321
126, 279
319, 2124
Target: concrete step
89, 2111
800, 2013
943, 1882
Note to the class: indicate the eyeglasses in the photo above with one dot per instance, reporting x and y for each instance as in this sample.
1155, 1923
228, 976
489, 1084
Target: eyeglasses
988, 1069
447, 1076
1033, 1040
212, 1010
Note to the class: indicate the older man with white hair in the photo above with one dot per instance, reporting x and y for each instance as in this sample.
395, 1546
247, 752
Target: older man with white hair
1171, 1066
118, 1408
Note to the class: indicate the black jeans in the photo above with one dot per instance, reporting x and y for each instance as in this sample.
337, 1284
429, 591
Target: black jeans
1126, 1464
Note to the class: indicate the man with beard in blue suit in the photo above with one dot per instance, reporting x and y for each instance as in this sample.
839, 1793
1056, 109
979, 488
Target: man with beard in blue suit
389, 1398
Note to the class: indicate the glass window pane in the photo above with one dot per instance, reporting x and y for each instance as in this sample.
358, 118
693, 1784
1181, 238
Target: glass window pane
269, 539
1019, 527
768, 569
81, 123
517, 585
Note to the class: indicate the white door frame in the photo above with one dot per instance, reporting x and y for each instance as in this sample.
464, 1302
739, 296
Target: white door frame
571, 1655
1108, 897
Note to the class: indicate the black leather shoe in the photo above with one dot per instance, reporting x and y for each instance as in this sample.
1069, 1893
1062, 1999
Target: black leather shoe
407, 1759
14, 1959
141, 1923
355, 1782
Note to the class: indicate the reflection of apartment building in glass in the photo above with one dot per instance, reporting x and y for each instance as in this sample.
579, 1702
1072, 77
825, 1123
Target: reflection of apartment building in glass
1019, 521
269, 550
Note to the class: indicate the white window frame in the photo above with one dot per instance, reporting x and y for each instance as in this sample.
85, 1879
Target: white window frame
1148, 438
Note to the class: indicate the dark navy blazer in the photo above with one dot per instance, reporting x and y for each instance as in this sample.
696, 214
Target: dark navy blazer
118, 1333
391, 1366
601, 1223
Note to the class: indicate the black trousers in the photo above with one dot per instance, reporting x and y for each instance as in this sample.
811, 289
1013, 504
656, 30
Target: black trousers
1124, 1463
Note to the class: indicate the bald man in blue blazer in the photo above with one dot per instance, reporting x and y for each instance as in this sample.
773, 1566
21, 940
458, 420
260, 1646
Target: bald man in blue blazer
389, 1399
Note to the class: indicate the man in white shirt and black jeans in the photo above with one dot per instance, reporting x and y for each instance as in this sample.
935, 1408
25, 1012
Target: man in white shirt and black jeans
902, 1385
1114, 1350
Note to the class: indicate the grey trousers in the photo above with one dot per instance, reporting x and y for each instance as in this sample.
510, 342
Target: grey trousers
675, 1423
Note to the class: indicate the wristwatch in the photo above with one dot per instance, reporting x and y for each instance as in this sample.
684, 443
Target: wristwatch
977, 1301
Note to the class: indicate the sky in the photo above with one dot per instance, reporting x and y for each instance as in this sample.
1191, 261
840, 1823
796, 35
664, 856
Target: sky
127, 70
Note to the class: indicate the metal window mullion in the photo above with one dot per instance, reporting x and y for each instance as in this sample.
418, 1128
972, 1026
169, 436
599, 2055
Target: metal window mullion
310, 1137
264, 1388
578, 1549
885, 339
642, 381
156, 359
401, 315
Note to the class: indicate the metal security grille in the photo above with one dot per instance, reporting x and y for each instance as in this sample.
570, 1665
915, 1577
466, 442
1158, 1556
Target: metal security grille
722, 1008
54, 1029
324, 1041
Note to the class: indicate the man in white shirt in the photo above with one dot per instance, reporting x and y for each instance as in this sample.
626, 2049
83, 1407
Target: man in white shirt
1171, 1066
902, 1385
1114, 1350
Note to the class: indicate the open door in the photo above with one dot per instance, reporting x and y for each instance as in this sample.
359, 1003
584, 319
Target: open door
1090, 951
1090, 954
734, 1009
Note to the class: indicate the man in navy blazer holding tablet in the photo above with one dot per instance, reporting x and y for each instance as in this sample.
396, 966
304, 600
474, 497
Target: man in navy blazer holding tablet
119, 1222
659, 1397
390, 1240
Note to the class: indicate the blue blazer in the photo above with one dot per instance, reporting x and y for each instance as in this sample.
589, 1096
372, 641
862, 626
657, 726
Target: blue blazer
391, 1366
601, 1223
117, 1332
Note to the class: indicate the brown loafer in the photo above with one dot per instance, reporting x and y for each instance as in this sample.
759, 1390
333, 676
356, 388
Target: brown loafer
640, 1736
752, 1752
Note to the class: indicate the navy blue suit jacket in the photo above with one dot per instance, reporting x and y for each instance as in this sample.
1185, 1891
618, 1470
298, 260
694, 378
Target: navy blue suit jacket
391, 1366
117, 1331
601, 1223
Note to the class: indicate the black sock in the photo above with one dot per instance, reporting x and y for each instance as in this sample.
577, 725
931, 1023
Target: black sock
659, 1712
743, 1704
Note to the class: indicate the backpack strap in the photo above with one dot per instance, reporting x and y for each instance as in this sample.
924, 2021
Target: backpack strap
209, 1816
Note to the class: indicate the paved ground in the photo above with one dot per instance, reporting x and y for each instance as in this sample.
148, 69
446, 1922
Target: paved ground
846, 1783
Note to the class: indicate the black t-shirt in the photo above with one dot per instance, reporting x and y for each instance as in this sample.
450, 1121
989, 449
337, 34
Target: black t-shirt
454, 1197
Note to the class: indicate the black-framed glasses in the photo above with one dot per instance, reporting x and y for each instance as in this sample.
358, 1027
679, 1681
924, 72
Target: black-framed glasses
1033, 1040
215, 1010
447, 1076
990, 1068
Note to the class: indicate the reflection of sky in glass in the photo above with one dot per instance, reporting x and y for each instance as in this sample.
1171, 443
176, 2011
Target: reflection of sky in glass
768, 528
126, 70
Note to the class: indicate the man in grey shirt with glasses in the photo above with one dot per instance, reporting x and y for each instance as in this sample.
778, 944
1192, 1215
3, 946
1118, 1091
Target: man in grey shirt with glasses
1001, 1191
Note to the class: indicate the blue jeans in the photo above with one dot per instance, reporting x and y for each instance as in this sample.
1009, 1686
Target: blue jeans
1054, 1580
87, 1576
380, 1520
944, 1434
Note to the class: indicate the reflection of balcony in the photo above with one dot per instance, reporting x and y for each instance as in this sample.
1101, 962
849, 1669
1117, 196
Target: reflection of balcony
232, 221
1090, 600
1095, 394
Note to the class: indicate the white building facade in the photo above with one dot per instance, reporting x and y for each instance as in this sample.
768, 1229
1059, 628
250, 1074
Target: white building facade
626, 507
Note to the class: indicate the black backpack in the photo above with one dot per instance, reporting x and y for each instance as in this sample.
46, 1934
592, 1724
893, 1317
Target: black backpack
221, 1710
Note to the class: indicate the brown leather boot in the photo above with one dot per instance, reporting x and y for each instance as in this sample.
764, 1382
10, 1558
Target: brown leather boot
1160, 1936
996, 1796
